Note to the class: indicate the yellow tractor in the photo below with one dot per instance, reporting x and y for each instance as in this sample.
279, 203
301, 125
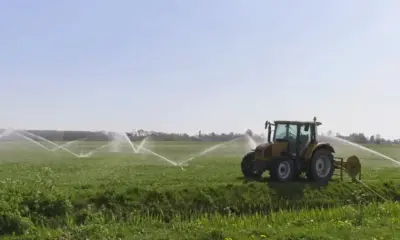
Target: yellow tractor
294, 150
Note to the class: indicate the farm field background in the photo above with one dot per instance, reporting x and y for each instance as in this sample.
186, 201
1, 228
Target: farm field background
123, 195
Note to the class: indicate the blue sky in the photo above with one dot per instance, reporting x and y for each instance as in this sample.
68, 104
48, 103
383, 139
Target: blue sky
181, 65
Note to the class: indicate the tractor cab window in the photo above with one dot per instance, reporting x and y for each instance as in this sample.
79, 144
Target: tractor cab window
304, 138
285, 132
280, 132
305, 134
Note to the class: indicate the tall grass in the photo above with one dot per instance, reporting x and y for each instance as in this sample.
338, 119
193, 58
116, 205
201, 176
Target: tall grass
373, 221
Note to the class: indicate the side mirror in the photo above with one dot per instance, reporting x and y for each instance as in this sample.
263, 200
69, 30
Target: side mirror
266, 124
306, 127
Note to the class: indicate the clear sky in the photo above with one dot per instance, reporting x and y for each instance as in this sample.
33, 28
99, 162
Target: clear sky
185, 65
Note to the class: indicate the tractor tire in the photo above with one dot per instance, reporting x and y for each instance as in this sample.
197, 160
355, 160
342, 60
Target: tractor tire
321, 166
247, 166
282, 169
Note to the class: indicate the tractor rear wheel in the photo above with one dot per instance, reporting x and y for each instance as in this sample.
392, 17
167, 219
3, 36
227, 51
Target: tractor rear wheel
248, 166
321, 166
282, 169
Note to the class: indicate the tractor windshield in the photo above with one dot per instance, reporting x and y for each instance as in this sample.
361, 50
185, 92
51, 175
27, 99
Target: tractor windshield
285, 132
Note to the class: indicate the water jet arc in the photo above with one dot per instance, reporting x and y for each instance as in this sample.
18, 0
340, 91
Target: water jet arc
364, 148
48, 141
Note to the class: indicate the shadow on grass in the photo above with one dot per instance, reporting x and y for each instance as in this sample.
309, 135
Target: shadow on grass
290, 190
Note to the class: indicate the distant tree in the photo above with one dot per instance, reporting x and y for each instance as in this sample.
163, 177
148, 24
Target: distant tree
372, 139
358, 138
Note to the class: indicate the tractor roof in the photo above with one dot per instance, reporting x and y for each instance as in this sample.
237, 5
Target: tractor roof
297, 122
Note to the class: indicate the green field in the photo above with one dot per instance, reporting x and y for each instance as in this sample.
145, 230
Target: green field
54, 195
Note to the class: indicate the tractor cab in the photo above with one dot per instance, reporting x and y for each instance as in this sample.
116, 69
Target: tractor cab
298, 135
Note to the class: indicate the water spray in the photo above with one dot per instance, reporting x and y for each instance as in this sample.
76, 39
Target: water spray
32, 141
130, 142
67, 144
144, 141
46, 140
89, 154
162, 157
251, 142
365, 148
6, 133
209, 149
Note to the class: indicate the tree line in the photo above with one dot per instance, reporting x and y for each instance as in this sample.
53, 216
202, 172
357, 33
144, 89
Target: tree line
363, 139
139, 134
135, 135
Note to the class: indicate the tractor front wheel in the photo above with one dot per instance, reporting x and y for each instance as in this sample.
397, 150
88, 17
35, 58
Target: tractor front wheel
248, 166
282, 170
321, 166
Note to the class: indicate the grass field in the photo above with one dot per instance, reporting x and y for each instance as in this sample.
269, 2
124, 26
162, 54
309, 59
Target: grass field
54, 195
